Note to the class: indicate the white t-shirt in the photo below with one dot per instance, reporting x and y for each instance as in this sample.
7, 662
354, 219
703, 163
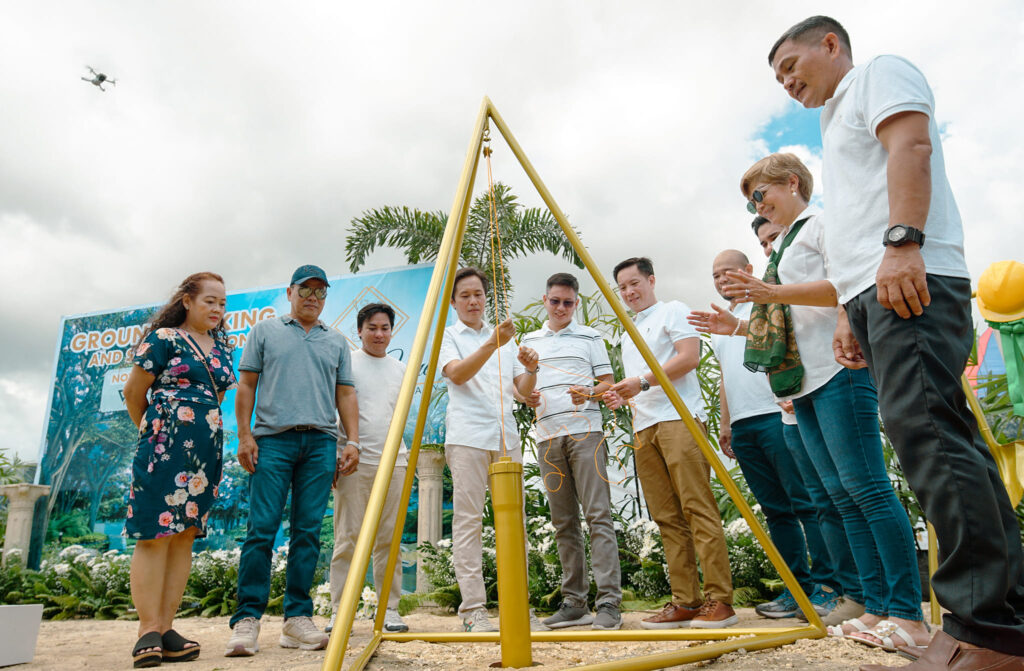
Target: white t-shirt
572, 356
814, 327
661, 325
747, 393
855, 178
378, 381
478, 407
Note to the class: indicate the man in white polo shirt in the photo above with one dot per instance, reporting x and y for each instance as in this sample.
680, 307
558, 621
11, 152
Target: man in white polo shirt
907, 300
483, 369
673, 471
573, 456
378, 379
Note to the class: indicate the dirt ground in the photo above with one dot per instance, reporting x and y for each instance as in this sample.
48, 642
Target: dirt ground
94, 644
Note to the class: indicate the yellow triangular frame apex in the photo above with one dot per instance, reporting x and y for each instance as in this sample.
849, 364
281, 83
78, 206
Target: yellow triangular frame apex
751, 638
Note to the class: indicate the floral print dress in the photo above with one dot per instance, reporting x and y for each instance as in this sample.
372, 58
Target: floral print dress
179, 455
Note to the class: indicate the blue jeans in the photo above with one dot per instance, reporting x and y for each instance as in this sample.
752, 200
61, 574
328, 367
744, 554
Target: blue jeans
775, 482
839, 426
302, 461
846, 580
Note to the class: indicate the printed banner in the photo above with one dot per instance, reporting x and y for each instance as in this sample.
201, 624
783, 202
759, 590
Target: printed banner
89, 440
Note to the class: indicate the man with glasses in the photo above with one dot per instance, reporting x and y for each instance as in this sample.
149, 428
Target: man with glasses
905, 313
303, 371
573, 456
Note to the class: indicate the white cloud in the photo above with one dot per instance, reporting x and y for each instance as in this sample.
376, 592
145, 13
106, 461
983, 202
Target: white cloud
243, 137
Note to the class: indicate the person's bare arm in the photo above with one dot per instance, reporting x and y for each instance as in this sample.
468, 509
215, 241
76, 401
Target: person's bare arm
245, 401
724, 426
745, 288
461, 371
139, 382
581, 394
348, 409
685, 359
900, 281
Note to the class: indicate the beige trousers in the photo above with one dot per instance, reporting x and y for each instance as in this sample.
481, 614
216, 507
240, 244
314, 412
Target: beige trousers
350, 497
677, 485
470, 483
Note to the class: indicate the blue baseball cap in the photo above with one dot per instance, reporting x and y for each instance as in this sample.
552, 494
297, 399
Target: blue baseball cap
309, 272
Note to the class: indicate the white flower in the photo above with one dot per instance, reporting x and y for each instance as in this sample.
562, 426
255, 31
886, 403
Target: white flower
62, 569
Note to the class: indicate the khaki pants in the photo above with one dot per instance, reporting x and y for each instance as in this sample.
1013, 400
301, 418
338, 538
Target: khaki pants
470, 483
350, 497
676, 481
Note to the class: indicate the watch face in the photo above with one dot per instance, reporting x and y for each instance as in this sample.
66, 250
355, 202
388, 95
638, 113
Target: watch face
897, 234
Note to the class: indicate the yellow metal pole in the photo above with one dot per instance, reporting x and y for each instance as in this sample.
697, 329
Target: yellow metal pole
363, 658
510, 540
659, 373
933, 564
604, 636
354, 581
428, 387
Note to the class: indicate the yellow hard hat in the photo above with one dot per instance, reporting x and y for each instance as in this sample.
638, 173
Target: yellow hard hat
1001, 292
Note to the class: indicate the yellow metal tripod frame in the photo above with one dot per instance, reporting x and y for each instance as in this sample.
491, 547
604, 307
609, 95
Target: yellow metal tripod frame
435, 312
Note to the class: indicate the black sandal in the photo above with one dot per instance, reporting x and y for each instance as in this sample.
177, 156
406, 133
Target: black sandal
177, 648
152, 643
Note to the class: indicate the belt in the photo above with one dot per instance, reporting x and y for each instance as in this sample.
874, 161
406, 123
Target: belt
304, 427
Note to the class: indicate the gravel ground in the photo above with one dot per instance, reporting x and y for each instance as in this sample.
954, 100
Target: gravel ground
94, 644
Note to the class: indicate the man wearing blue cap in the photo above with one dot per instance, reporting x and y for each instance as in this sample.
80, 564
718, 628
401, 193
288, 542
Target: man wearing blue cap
304, 374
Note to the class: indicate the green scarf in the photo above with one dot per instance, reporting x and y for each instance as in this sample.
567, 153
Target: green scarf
771, 344
1012, 336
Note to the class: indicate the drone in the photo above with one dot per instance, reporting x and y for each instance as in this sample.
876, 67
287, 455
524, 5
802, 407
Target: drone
98, 79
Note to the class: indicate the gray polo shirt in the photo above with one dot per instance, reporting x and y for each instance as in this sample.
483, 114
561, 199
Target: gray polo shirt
299, 372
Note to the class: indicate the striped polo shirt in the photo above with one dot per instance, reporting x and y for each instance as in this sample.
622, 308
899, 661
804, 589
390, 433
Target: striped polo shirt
574, 355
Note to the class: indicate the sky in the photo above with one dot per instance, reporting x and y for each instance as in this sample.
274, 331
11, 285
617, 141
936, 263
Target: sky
243, 137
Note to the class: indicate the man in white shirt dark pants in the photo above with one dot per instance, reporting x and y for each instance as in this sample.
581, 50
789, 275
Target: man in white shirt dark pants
378, 379
752, 433
672, 469
907, 317
483, 369
573, 456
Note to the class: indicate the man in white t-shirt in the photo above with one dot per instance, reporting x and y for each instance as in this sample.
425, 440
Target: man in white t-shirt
894, 241
378, 378
573, 456
484, 370
752, 433
674, 473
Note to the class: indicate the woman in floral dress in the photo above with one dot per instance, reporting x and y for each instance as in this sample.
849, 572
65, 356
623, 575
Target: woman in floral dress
173, 394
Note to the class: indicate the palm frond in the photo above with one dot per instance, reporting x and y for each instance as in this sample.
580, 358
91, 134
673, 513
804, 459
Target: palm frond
419, 233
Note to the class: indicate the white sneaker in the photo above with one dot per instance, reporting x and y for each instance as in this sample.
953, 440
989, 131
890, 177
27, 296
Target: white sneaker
476, 620
244, 638
393, 621
300, 632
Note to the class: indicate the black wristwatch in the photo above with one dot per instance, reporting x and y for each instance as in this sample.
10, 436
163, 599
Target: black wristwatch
901, 234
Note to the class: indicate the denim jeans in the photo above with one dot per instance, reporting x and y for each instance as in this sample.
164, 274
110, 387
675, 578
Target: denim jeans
845, 579
839, 425
917, 364
303, 462
775, 482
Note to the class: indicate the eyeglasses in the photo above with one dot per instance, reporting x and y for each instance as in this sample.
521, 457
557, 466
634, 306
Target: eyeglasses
756, 197
567, 303
319, 292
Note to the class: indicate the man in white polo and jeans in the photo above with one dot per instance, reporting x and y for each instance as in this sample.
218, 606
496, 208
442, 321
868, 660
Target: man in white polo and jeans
573, 455
480, 427
378, 379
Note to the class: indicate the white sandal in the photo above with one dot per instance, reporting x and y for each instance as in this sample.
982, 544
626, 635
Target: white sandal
837, 629
884, 631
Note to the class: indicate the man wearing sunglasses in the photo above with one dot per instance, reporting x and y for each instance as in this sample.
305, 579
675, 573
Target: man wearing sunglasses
572, 453
303, 370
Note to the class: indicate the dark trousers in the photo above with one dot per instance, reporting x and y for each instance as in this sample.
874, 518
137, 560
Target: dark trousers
917, 364
774, 479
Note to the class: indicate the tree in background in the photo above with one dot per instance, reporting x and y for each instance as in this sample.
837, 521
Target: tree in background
523, 231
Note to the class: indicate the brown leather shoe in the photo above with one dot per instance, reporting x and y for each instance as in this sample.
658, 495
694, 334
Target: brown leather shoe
670, 617
945, 652
714, 615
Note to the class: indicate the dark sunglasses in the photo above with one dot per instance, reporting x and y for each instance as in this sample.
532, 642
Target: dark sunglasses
567, 303
756, 197
319, 292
